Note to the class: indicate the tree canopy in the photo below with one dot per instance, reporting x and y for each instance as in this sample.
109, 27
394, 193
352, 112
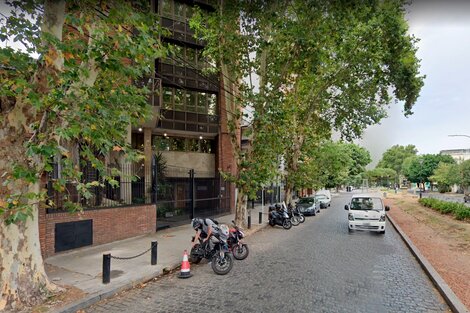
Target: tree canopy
393, 158
446, 175
322, 65
421, 168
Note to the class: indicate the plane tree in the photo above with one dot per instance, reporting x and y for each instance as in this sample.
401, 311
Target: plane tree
323, 63
67, 97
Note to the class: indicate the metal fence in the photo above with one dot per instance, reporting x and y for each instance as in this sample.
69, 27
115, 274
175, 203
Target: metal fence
179, 193
270, 194
132, 188
183, 193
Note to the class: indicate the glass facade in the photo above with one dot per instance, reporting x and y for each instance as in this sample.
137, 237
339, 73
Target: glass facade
162, 143
189, 101
189, 56
175, 10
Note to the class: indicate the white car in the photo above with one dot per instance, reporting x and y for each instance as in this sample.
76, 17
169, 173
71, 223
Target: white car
324, 193
366, 212
324, 201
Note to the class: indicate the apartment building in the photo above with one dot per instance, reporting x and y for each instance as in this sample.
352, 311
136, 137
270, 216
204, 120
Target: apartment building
186, 143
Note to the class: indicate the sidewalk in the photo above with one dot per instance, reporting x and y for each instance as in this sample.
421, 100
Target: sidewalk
82, 268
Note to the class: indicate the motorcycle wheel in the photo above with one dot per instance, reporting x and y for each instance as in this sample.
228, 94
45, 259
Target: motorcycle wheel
286, 224
240, 252
271, 222
295, 220
193, 257
221, 265
302, 218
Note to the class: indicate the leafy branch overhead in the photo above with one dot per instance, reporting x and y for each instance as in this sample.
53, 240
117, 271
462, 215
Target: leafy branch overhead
75, 101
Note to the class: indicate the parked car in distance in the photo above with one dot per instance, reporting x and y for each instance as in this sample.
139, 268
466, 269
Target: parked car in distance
466, 198
308, 206
325, 193
323, 200
366, 212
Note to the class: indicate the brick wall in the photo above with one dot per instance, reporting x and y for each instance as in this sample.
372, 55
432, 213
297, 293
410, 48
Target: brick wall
108, 224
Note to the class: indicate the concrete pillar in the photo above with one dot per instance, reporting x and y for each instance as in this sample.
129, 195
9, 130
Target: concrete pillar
148, 163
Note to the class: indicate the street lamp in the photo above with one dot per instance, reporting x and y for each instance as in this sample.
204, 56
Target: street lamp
421, 178
459, 136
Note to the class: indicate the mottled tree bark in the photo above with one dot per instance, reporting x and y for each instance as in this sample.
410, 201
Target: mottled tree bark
23, 280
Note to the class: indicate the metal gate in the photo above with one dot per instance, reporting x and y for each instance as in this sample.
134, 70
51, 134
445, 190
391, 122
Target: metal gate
184, 193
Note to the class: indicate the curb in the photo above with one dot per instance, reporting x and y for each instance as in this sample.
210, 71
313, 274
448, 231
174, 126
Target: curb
449, 296
96, 297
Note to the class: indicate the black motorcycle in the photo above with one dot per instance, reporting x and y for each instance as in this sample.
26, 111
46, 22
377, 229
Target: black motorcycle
279, 216
219, 255
239, 249
295, 212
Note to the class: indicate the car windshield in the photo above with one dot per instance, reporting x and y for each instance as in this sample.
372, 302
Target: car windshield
366, 204
321, 197
306, 201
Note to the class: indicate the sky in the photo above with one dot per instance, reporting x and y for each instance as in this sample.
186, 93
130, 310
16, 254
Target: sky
443, 107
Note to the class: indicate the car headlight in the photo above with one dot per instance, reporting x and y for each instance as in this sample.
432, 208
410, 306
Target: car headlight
350, 217
382, 218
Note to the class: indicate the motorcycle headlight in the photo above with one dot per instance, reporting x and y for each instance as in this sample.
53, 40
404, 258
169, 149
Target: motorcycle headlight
350, 217
382, 218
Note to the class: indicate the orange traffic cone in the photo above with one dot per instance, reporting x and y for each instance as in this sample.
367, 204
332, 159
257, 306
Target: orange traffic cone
185, 268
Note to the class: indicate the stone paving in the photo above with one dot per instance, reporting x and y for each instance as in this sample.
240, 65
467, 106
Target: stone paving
315, 267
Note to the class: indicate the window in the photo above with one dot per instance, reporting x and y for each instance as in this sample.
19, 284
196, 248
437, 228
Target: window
175, 10
201, 103
167, 98
212, 104
179, 10
191, 56
179, 100
188, 57
166, 9
189, 101
161, 143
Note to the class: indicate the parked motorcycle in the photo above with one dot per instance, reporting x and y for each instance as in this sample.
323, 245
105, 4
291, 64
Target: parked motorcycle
279, 216
216, 250
239, 249
296, 212
295, 216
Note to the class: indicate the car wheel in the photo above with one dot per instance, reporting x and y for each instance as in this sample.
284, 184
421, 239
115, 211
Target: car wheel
382, 232
349, 229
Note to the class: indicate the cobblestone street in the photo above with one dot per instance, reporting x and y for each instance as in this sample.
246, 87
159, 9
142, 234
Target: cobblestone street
315, 267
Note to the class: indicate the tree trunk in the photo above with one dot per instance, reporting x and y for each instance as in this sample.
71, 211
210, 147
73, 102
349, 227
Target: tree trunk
289, 193
23, 280
22, 276
241, 214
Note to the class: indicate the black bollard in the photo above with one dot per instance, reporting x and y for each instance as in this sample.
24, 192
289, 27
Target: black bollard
260, 217
249, 221
106, 268
153, 257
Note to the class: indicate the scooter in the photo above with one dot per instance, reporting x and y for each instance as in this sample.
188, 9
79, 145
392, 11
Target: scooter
279, 216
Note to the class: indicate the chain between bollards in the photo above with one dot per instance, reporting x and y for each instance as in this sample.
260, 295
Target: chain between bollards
106, 273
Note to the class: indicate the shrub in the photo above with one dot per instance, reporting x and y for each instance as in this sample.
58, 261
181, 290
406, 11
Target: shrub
458, 210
